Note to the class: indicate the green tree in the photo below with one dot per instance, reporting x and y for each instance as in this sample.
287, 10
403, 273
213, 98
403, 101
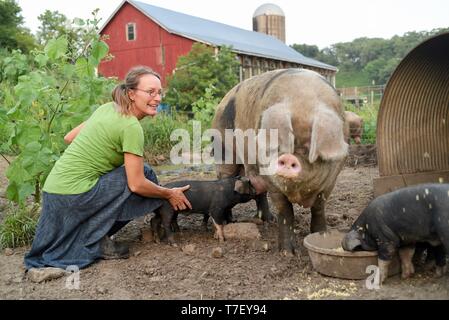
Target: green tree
53, 25
77, 31
368, 59
381, 69
310, 51
199, 70
12, 34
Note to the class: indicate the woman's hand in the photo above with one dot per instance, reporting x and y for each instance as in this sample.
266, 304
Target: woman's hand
137, 183
178, 200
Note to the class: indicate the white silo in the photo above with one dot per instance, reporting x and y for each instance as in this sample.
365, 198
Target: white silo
270, 19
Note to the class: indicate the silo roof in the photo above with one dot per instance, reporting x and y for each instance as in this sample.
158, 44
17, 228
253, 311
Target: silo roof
269, 9
218, 34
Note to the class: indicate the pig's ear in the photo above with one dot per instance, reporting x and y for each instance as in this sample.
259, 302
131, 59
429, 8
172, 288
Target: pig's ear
278, 117
327, 139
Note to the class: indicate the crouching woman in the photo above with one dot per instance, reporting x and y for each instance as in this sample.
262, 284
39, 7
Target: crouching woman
101, 183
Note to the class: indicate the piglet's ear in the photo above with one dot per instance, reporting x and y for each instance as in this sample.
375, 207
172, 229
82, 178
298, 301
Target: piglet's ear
327, 139
239, 186
243, 179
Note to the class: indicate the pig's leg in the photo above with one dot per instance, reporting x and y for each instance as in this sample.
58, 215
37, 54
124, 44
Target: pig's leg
406, 256
318, 221
383, 269
155, 223
205, 221
287, 243
440, 260
228, 216
386, 250
263, 210
167, 217
219, 233
174, 223
218, 218
440, 253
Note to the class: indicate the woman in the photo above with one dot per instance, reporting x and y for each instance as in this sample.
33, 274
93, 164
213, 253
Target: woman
100, 183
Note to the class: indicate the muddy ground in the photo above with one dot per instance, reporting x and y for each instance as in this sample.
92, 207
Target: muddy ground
248, 269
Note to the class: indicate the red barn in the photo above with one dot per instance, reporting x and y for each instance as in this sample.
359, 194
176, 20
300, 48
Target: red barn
142, 34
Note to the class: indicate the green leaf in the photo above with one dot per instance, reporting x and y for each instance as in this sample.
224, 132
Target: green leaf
25, 190
41, 60
27, 134
99, 50
16, 172
19, 192
56, 48
37, 159
3, 116
32, 147
12, 111
84, 69
68, 70
12, 192
25, 93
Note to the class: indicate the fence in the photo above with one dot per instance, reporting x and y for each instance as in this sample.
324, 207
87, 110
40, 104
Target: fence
360, 96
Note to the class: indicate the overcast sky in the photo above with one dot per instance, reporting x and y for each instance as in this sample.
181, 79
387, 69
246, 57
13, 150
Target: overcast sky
316, 22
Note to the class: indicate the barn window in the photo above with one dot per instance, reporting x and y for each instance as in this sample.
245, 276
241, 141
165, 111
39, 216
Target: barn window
131, 31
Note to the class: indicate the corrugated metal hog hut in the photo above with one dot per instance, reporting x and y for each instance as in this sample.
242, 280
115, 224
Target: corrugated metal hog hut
413, 120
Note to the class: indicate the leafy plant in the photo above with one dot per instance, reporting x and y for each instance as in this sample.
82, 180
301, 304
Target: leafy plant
13, 64
59, 92
204, 108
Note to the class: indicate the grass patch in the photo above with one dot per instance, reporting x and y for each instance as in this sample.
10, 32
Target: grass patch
158, 130
18, 226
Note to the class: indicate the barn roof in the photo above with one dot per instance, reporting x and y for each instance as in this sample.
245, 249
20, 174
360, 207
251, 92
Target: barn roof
219, 34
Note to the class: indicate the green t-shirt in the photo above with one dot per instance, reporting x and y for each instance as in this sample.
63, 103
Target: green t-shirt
98, 149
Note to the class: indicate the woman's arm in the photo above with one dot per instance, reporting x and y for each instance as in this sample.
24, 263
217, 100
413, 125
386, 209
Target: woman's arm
69, 137
137, 183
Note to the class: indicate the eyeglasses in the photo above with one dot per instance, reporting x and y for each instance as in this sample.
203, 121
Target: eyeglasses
153, 93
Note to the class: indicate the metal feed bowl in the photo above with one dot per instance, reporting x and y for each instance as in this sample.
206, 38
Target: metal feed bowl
413, 120
329, 258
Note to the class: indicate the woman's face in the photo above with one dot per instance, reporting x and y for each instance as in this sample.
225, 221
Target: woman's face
146, 97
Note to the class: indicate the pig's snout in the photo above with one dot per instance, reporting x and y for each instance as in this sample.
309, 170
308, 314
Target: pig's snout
351, 241
288, 166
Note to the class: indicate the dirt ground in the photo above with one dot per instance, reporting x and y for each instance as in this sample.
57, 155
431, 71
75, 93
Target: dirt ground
248, 269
